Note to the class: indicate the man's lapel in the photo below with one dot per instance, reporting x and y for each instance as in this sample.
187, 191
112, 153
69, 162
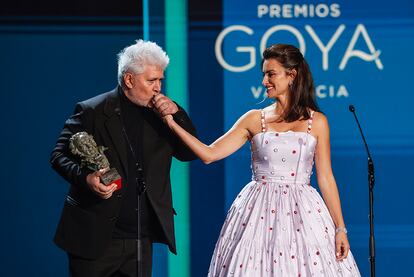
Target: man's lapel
114, 127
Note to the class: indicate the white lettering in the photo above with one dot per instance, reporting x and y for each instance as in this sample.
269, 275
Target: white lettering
335, 10
262, 10
320, 91
287, 11
241, 49
301, 10
342, 92
325, 50
321, 10
274, 11
360, 29
331, 91
323, 91
287, 28
256, 91
311, 10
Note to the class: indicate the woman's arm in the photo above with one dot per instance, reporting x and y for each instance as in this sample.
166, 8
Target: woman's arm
327, 183
223, 146
181, 151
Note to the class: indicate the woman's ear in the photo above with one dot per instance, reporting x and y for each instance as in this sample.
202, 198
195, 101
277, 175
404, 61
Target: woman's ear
293, 74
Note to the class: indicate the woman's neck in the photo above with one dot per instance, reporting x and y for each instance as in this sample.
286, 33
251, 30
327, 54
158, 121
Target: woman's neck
281, 105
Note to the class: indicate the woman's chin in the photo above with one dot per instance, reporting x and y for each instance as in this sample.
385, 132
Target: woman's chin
270, 93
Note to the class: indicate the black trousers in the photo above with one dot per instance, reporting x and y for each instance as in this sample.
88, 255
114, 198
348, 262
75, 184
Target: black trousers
119, 260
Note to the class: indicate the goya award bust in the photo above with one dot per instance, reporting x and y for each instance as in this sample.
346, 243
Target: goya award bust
92, 156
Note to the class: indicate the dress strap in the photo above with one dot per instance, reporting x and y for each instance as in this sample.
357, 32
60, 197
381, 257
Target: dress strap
262, 120
310, 120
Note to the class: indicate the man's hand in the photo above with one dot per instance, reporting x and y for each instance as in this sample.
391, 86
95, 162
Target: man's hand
163, 105
94, 183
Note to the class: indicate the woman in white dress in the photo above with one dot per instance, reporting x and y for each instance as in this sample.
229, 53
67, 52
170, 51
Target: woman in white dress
279, 225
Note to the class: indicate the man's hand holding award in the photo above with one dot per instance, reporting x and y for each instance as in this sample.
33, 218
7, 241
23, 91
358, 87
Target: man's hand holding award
92, 156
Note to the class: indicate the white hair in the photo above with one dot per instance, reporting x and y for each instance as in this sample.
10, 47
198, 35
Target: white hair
135, 57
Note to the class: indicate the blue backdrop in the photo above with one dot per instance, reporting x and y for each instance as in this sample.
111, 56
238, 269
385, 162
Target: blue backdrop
47, 68
360, 53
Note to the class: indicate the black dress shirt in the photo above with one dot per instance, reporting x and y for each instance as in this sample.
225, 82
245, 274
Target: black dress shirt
126, 227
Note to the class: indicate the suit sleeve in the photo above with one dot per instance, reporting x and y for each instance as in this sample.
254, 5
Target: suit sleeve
62, 160
181, 151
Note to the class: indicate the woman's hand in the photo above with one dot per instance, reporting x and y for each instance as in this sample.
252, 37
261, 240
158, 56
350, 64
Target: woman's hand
168, 119
163, 105
341, 245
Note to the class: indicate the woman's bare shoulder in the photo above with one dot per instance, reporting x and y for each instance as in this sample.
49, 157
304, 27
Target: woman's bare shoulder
251, 121
252, 115
320, 120
320, 126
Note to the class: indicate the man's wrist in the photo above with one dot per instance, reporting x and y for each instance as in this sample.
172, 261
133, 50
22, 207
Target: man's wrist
179, 116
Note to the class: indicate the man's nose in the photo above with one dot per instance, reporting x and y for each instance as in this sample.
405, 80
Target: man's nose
157, 86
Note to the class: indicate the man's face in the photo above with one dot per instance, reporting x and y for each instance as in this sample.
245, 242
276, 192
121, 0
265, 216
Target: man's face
140, 88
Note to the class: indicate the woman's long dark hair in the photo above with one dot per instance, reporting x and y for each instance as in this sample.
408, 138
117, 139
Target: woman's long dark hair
302, 90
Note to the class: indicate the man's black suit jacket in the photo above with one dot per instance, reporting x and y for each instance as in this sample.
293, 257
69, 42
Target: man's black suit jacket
87, 221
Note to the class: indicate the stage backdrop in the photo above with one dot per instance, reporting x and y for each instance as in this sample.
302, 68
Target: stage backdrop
360, 53
54, 54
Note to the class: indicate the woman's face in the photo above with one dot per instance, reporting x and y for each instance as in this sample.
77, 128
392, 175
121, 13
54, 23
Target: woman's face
276, 79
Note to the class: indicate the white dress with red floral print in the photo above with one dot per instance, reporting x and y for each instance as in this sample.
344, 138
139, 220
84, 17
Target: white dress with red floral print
279, 225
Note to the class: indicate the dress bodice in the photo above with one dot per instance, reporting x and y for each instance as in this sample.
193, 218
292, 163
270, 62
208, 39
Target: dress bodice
283, 157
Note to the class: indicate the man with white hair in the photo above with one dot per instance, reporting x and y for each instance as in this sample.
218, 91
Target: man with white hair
104, 227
